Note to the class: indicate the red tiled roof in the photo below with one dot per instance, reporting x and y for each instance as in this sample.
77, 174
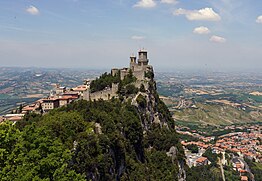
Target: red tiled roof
201, 159
67, 97
15, 118
244, 178
242, 171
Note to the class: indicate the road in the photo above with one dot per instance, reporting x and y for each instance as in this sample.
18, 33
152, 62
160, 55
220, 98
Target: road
246, 167
222, 169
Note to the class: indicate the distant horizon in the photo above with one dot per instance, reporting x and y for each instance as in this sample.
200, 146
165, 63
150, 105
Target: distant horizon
216, 35
156, 69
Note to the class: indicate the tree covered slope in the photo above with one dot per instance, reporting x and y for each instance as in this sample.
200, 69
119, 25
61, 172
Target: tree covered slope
100, 140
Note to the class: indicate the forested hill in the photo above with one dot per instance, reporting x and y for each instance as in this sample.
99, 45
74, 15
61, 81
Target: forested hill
131, 138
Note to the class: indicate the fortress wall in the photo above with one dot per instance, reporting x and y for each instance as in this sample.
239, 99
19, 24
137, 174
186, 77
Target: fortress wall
140, 75
114, 71
105, 94
138, 67
123, 73
86, 95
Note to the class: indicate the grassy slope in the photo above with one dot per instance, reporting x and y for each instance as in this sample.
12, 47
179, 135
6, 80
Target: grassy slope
215, 114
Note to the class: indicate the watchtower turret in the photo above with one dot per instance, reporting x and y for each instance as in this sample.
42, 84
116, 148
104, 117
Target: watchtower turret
142, 58
132, 62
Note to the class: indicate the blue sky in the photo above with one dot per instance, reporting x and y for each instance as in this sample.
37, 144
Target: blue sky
187, 34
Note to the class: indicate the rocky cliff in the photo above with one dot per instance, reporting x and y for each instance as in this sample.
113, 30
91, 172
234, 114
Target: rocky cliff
131, 137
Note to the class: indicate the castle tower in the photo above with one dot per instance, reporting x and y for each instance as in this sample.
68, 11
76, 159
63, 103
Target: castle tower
142, 58
132, 62
114, 71
86, 95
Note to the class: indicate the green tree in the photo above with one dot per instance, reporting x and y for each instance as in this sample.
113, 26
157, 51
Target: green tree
193, 148
212, 157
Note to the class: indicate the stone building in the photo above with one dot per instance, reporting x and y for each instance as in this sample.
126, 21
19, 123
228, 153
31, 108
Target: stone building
139, 67
49, 104
60, 90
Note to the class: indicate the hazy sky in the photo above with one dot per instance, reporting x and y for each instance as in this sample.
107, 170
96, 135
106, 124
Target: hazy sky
210, 34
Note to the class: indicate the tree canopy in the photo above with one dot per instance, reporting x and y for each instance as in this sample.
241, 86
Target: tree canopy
64, 145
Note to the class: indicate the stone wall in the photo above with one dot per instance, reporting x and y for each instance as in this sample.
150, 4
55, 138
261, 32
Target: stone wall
105, 94
140, 75
123, 73
114, 71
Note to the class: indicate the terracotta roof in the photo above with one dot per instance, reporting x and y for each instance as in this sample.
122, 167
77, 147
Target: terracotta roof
235, 150
50, 99
80, 88
15, 118
244, 178
205, 146
220, 141
27, 108
201, 159
66, 97
242, 171
248, 154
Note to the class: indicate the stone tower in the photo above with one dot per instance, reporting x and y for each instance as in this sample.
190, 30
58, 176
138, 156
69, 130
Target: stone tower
142, 58
132, 62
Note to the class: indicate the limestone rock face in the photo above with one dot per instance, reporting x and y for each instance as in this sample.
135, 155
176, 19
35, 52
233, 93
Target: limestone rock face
149, 105
98, 128
172, 152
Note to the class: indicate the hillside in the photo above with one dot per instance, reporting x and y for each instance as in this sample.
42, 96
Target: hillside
130, 138
219, 98
216, 114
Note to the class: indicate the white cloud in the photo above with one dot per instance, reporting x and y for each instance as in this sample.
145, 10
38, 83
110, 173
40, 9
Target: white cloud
145, 4
259, 19
217, 39
201, 30
135, 37
169, 1
206, 14
32, 10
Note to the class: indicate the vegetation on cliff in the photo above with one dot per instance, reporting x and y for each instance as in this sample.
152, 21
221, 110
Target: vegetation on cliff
211, 173
100, 140
105, 80
256, 169
125, 86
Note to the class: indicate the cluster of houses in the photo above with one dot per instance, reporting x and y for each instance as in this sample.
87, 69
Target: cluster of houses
59, 97
239, 144
62, 96
239, 166
196, 159
194, 134
244, 144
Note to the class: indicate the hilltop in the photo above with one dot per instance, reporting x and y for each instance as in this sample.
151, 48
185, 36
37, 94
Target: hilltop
127, 134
